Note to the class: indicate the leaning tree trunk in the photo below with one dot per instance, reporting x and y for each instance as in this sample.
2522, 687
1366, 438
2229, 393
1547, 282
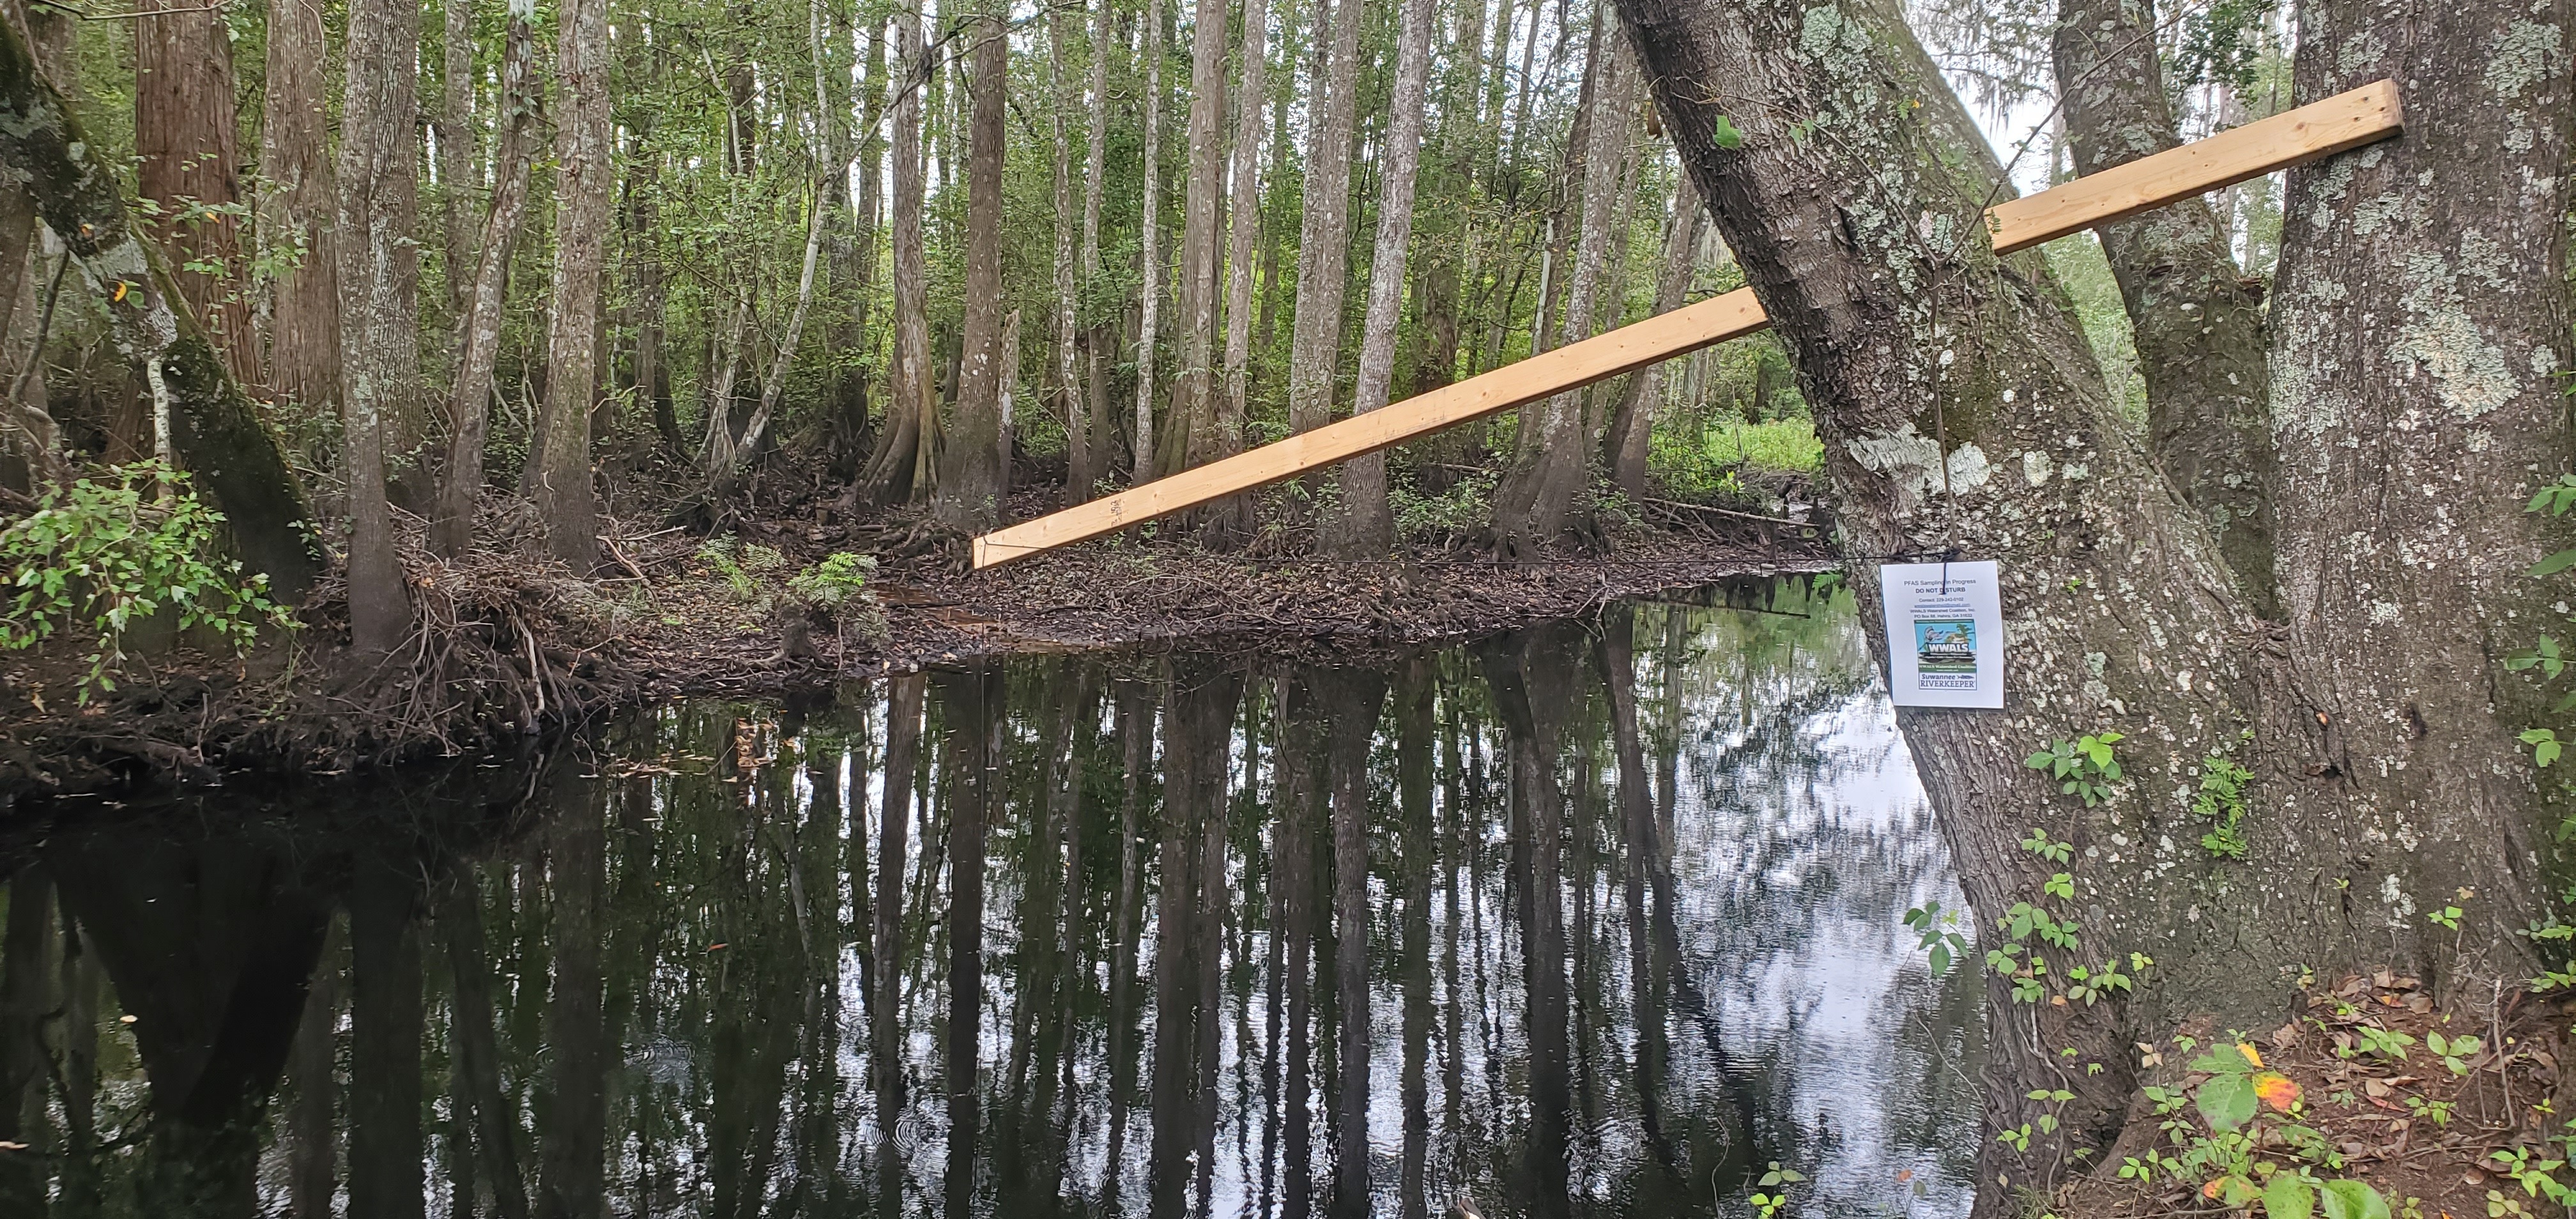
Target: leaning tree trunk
185, 140
1955, 396
565, 504
478, 343
970, 483
2199, 321
1323, 243
296, 208
1365, 525
1551, 458
214, 428
1634, 421
1961, 413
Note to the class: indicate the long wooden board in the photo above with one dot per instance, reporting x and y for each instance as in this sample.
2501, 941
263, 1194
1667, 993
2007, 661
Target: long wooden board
2343, 121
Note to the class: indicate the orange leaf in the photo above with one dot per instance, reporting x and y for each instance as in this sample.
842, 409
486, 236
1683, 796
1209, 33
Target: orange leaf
2250, 1055
2215, 1187
2277, 1090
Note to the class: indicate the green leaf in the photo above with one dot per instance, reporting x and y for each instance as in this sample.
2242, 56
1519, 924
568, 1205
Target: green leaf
2353, 1200
2554, 564
2288, 1197
1726, 136
2227, 1101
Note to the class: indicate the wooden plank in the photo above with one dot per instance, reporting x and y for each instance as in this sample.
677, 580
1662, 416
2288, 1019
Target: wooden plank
1572, 366
2343, 121
2337, 123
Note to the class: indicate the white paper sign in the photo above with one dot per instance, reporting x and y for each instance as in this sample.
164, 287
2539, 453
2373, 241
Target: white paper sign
1945, 634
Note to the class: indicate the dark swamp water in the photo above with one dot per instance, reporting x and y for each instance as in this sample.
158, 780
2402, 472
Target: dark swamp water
1600, 918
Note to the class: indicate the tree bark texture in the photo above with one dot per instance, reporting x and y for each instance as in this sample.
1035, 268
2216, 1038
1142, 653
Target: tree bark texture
971, 481
1323, 243
1634, 422
1065, 359
478, 340
1551, 456
186, 146
565, 503
911, 433
2199, 321
2418, 349
1194, 390
1234, 411
458, 175
1364, 524
214, 427
297, 207
380, 312
1150, 263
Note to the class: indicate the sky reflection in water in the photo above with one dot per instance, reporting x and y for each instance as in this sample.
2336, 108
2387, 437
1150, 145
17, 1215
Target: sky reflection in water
1600, 918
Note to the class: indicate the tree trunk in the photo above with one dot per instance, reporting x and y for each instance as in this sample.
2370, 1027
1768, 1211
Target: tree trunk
2198, 320
379, 279
213, 425
478, 340
2419, 339
1234, 411
457, 172
1551, 457
186, 138
1323, 244
297, 209
565, 504
1150, 263
1096, 341
726, 460
1193, 439
912, 431
1365, 525
971, 481
1634, 422
1067, 396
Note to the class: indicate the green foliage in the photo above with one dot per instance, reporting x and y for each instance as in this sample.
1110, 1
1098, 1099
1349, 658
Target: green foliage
1446, 516
2251, 1146
2086, 768
1940, 934
740, 565
2223, 44
101, 557
840, 580
2222, 801
838, 587
1773, 1195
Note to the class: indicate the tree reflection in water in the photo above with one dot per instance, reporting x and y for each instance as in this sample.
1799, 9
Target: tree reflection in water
1598, 918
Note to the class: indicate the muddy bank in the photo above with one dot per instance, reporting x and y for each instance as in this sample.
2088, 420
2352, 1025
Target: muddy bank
511, 648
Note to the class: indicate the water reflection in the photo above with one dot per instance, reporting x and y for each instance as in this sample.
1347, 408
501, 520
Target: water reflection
1600, 918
